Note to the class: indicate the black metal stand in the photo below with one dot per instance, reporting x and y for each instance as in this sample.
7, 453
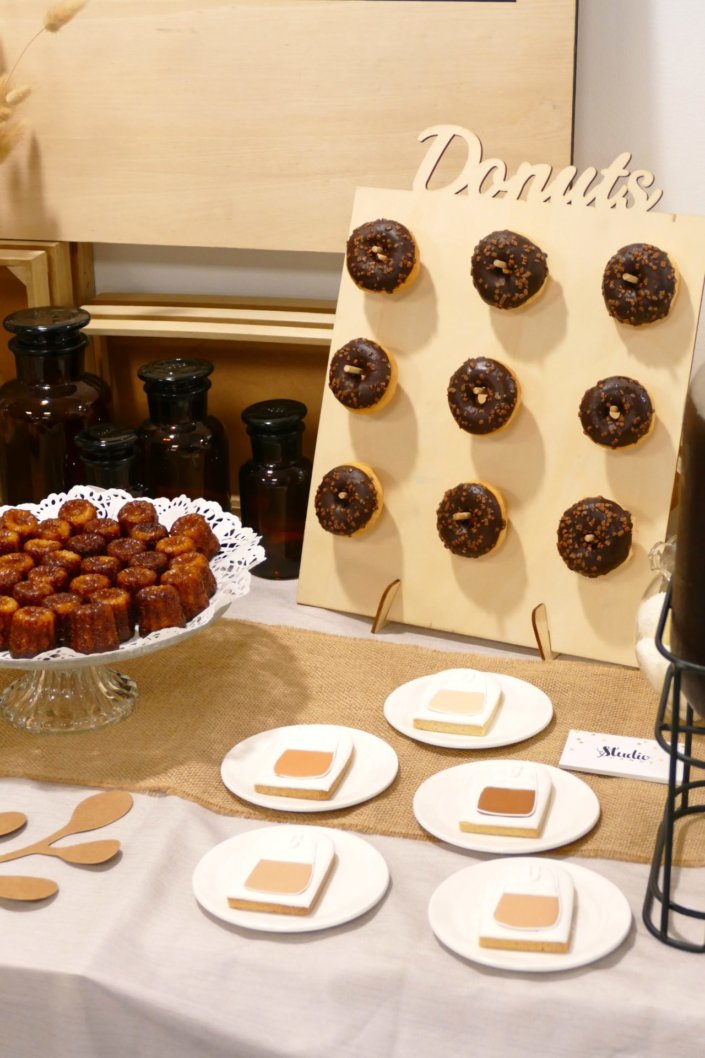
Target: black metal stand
676, 737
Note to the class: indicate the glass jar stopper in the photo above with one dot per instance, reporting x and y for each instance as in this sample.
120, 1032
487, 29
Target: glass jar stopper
274, 416
175, 376
105, 442
47, 327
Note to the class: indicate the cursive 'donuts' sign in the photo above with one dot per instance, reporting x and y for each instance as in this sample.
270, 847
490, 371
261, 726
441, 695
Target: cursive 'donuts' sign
614, 187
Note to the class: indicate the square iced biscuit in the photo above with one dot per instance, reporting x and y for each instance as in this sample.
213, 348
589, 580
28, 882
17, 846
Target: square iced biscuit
310, 762
529, 907
284, 873
459, 702
507, 797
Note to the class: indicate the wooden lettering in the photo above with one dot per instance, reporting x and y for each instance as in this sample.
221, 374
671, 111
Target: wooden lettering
616, 187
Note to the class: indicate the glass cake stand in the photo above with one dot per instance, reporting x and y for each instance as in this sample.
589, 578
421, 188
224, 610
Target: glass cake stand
61, 690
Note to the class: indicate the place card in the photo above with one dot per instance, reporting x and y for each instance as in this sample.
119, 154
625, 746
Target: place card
619, 755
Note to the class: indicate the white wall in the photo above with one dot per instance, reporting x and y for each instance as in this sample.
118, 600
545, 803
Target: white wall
640, 87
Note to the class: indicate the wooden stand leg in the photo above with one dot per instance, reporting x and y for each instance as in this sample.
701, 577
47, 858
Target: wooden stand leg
539, 622
385, 603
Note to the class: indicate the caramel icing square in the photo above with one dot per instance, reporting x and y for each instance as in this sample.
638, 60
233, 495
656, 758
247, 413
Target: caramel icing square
504, 801
303, 763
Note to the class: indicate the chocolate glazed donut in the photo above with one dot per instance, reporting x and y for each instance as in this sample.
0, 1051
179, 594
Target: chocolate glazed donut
616, 412
382, 255
594, 536
639, 284
348, 500
471, 519
482, 395
508, 270
362, 376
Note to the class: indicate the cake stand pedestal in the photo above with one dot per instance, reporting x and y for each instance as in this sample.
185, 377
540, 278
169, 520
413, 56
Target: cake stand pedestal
72, 698
62, 690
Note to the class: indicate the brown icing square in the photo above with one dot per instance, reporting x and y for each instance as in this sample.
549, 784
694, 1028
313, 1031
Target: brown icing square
502, 801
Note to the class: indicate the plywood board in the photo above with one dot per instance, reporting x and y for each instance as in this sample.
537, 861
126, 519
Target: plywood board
249, 123
542, 463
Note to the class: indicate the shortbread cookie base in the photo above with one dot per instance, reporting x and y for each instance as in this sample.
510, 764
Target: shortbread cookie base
271, 907
303, 792
508, 831
448, 728
527, 896
557, 947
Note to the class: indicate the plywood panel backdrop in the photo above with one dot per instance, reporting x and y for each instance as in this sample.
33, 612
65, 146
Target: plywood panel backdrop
542, 463
249, 124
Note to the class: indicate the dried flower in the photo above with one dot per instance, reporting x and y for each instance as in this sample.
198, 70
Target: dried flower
16, 95
12, 131
10, 135
58, 15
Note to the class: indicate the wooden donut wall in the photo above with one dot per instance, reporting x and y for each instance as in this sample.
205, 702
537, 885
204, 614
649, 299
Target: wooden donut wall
558, 346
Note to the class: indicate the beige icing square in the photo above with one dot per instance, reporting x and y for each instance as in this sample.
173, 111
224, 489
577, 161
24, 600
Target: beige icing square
463, 703
303, 763
279, 876
527, 910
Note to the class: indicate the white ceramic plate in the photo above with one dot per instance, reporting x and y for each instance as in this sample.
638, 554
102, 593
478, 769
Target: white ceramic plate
373, 768
602, 919
524, 711
359, 880
438, 805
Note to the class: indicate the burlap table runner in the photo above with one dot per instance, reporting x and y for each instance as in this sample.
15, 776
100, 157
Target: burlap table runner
199, 698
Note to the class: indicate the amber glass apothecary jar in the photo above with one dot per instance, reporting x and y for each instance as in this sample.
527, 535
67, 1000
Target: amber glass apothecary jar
47, 404
275, 483
181, 449
108, 453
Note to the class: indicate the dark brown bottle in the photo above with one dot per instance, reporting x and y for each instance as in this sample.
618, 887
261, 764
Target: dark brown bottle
688, 599
182, 450
275, 483
49, 402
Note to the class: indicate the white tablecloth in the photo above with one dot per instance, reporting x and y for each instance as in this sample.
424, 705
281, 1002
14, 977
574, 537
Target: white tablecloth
123, 962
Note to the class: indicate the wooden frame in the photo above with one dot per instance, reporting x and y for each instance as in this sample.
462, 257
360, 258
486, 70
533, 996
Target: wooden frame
31, 267
249, 123
37, 260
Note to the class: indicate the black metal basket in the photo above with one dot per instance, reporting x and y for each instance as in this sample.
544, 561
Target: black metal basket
675, 736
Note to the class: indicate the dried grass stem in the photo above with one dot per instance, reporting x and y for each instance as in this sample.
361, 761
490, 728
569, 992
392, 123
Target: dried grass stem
59, 14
